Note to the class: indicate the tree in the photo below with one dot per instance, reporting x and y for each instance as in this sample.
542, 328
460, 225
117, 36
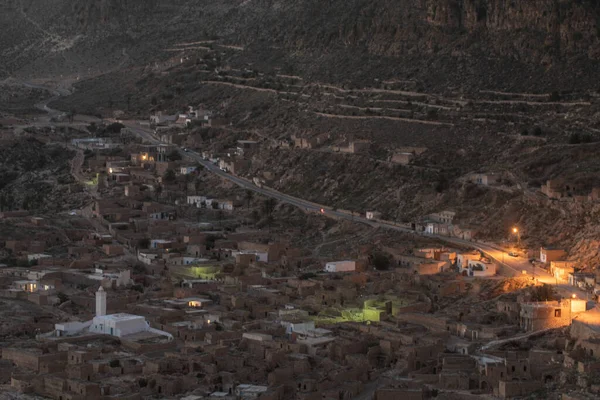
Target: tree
158, 191
537, 131
442, 184
269, 206
174, 155
575, 138
169, 176
542, 293
92, 128
215, 205
554, 96
187, 179
381, 261
143, 243
255, 216
138, 288
114, 128
62, 297
249, 196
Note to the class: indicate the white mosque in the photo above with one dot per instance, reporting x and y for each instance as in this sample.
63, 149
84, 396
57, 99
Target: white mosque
118, 325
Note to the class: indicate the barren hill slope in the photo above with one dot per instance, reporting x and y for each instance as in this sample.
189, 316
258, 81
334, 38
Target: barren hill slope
346, 40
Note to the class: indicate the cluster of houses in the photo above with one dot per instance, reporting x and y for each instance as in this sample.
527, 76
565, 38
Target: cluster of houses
132, 298
558, 189
211, 314
441, 223
192, 115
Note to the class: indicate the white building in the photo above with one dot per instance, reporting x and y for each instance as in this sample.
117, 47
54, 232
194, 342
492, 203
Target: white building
478, 268
373, 215
112, 279
32, 257
298, 326
340, 266
196, 200
462, 259
147, 257
158, 243
261, 256
119, 324
226, 205
248, 392
188, 170
27, 286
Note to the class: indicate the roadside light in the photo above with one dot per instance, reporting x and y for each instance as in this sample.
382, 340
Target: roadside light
515, 230
110, 170
322, 211
208, 321
574, 296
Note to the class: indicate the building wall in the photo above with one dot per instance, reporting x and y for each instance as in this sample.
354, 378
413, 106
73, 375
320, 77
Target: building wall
340, 266
512, 389
536, 317
547, 255
402, 158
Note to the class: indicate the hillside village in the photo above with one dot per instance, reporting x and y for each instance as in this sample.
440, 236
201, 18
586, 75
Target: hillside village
301, 200
175, 282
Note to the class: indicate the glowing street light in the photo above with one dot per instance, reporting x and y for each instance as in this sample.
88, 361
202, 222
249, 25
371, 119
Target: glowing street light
574, 296
515, 231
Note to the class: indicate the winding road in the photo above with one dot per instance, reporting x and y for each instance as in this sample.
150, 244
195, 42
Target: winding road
516, 266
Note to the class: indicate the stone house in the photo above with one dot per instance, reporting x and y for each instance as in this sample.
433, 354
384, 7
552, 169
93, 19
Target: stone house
561, 270
535, 316
549, 254
402, 158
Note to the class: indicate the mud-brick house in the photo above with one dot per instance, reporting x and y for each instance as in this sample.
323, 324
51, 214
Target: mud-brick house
535, 316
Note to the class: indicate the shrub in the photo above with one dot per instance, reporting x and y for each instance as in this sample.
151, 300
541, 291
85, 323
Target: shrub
138, 288
62, 297
575, 138
381, 261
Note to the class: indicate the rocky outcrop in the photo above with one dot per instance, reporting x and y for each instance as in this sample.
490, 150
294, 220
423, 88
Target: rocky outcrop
542, 32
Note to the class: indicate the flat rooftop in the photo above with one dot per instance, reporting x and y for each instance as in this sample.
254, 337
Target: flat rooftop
121, 317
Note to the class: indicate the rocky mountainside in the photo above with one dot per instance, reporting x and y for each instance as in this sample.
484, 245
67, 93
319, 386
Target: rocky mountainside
36, 176
484, 85
439, 42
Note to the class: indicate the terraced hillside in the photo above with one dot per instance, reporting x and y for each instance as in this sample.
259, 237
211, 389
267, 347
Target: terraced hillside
467, 43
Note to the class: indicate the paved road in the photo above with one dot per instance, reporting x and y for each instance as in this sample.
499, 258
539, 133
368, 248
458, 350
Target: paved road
515, 264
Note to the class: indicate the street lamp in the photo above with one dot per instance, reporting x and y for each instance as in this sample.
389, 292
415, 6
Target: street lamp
516, 232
